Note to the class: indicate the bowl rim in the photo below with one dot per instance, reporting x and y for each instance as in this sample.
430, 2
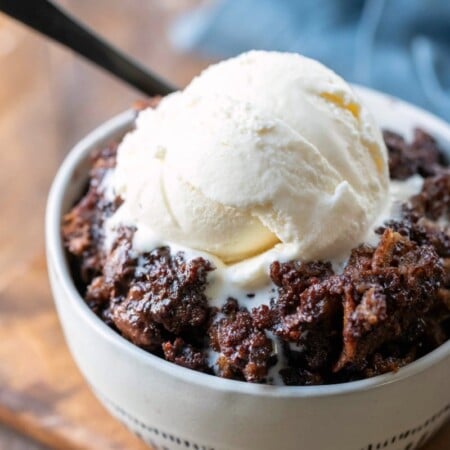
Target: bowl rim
57, 263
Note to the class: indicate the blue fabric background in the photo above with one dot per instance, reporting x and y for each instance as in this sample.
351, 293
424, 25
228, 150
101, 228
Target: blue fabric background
397, 46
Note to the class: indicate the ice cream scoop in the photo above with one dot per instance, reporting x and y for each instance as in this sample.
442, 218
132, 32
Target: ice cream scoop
265, 149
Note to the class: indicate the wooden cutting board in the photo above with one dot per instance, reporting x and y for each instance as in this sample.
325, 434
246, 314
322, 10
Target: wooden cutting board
48, 100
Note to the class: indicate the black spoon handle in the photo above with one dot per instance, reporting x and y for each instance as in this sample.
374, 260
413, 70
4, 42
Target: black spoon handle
47, 18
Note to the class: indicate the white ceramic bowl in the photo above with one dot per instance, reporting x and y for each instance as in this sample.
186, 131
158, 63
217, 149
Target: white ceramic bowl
171, 407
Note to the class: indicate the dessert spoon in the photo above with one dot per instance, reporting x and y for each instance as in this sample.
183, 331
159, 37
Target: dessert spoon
47, 18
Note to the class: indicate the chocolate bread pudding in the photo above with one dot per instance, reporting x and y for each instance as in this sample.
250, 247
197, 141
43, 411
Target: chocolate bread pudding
234, 280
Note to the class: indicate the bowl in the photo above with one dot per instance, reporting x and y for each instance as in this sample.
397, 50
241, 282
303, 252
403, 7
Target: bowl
171, 407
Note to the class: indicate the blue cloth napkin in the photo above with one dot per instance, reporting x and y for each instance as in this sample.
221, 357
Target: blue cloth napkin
401, 47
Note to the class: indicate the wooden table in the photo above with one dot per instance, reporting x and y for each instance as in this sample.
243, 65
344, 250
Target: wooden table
48, 100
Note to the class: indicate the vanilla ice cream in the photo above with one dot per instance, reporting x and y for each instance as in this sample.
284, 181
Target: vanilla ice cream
265, 150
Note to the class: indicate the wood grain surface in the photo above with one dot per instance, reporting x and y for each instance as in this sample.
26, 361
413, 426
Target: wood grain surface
48, 100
